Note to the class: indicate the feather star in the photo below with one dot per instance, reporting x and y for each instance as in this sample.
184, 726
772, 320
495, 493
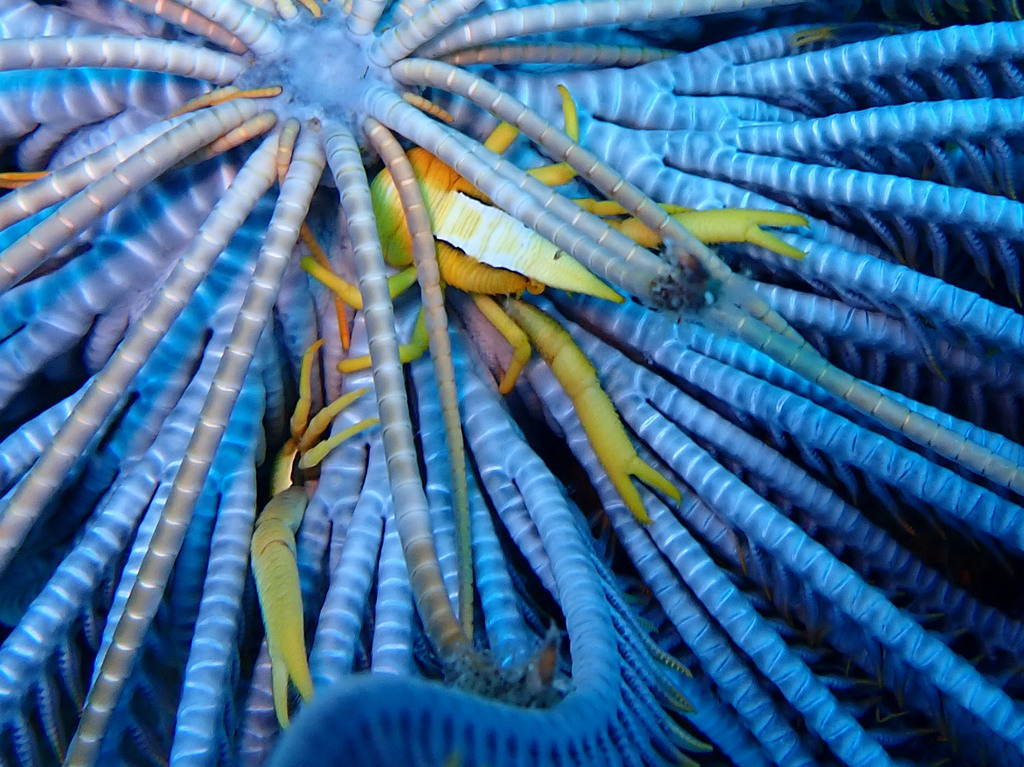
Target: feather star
841, 579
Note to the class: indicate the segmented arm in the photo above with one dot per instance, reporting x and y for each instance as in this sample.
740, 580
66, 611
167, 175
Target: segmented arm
296, 192
572, 14
410, 504
104, 391
101, 195
436, 319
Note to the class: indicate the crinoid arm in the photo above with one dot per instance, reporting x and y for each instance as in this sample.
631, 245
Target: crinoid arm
822, 411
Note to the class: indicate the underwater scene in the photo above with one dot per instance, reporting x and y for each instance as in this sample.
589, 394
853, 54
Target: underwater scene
478, 383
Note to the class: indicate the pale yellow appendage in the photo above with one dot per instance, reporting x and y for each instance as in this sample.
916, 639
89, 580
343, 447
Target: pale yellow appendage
315, 454
708, 226
277, 584
501, 138
595, 410
272, 549
413, 350
311, 242
397, 283
512, 333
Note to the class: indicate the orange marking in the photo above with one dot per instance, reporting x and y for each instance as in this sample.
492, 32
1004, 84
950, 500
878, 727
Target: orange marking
428, 106
321, 258
228, 93
16, 179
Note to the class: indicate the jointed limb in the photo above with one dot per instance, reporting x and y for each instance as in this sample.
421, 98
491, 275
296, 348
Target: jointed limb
397, 283
273, 540
512, 333
708, 226
418, 343
596, 412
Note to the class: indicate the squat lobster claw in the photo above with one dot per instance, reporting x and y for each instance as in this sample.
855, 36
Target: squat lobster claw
597, 414
274, 565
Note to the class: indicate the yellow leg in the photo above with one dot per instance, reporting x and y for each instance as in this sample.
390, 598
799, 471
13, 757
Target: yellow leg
501, 138
562, 172
300, 416
612, 208
406, 352
277, 585
322, 420
317, 453
349, 293
321, 259
512, 333
595, 410
742, 225
723, 225
708, 226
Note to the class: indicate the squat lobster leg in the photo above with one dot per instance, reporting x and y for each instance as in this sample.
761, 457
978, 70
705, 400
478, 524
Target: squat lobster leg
708, 226
274, 567
596, 412
512, 333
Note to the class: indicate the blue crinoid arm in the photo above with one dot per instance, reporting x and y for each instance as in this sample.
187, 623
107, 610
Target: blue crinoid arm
62, 625
657, 410
907, 141
838, 590
417, 722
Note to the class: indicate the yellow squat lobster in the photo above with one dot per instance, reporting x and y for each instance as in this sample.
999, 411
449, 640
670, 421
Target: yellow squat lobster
483, 252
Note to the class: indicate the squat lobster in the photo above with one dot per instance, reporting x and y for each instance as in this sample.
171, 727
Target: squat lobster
486, 252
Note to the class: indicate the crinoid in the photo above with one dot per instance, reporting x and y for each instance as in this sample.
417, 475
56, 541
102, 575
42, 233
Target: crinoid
833, 514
